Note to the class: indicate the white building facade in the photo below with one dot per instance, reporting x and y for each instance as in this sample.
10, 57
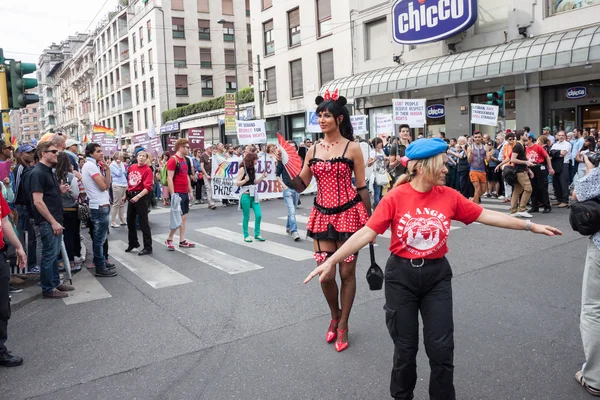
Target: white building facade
538, 50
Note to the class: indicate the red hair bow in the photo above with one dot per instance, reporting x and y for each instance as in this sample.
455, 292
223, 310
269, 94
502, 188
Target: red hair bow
331, 96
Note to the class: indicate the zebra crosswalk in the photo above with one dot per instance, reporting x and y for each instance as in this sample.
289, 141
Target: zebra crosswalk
221, 248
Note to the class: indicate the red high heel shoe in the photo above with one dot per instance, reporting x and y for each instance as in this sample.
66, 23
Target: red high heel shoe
339, 345
331, 334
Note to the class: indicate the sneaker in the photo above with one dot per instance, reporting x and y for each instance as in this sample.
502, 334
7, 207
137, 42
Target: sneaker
65, 288
501, 197
54, 294
108, 273
170, 245
514, 215
562, 205
110, 265
197, 201
113, 225
34, 270
593, 391
187, 245
487, 195
13, 289
296, 236
524, 214
288, 231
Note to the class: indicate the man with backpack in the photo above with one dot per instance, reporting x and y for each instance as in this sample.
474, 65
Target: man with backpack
180, 189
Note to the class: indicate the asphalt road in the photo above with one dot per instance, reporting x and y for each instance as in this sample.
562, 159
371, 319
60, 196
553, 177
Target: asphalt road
233, 321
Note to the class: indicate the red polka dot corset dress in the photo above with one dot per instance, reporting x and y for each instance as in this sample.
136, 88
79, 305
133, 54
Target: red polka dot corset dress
338, 211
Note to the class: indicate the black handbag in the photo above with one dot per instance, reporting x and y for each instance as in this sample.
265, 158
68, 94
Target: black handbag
374, 273
584, 216
509, 174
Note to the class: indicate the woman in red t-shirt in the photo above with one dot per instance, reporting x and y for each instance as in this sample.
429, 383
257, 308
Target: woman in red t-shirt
139, 185
418, 276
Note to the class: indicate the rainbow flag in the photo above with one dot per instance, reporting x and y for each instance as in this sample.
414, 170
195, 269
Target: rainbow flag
86, 140
102, 129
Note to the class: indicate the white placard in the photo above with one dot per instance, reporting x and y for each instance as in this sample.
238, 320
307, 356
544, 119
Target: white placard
410, 111
484, 114
312, 122
384, 124
251, 132
359, 124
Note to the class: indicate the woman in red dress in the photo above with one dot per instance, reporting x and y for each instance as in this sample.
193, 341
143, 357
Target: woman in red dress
339, 209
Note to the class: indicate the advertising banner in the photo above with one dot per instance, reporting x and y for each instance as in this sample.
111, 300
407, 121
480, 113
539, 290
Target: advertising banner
230, 113
108, 143
559, 6
484, 114
384, 125
411, 112
312, 122
196, 138
359, 124
224, 172
251, 132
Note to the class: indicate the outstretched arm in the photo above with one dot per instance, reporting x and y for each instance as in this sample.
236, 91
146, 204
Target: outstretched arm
497, 219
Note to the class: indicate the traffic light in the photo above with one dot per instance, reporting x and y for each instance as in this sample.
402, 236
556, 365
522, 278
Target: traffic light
497, 99
17, 84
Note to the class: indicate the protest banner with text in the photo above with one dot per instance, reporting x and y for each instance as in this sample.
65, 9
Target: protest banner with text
251, 132
484, 114
411, 112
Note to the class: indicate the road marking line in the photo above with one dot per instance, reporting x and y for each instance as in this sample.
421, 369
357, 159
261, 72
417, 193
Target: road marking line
495, 206
87, 288
291, 253
278, 229
150, 270
215, 258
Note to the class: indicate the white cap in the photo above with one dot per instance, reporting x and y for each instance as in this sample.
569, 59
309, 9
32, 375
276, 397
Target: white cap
72, 142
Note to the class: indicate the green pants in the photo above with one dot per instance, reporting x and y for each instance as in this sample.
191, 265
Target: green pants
246, 203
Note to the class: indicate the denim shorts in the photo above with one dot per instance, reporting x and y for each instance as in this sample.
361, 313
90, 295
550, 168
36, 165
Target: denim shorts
185, 203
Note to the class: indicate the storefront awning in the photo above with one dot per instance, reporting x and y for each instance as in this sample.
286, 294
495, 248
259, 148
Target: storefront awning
529, 55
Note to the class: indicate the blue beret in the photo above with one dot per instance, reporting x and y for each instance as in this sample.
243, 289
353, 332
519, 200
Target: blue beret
426, 148
138, 150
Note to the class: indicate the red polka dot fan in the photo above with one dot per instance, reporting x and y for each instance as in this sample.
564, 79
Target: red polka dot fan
289, 157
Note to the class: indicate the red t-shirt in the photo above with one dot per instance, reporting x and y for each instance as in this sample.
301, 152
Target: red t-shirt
4, 211
139, 178
421, 221
180, 179
536, 154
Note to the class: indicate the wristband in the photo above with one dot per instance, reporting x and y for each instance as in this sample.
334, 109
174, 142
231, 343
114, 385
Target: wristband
528, 225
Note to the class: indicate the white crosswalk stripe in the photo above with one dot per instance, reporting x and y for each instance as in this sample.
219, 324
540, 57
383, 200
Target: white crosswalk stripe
214, 258
281, 250
87, 288
150, 270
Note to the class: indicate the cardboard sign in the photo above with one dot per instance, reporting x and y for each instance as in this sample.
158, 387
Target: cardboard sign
411, 112
359, 124
384, 125
484, 114
196, 138
251, 132
107, 142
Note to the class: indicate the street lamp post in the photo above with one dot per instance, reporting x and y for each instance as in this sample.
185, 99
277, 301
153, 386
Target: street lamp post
237, 101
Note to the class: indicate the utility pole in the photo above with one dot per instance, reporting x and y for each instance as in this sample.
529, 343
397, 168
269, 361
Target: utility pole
260, 96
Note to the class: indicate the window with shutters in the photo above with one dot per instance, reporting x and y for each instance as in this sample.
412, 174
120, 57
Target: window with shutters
204, 29
227, 7
230, 86
142, 65
296, 78
141, 33
207, 85
178, 28
177, 5
249, 33
203, 6
179, 56
268, 37
205, 58
294, 27
266, 4
271, 85
152, 95
150, 62
149, 30
250, 60
324, 17
229, 59
325, 67
247, 8
181, 85
228, 32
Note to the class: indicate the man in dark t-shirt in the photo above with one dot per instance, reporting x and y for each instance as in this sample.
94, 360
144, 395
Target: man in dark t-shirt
523, 185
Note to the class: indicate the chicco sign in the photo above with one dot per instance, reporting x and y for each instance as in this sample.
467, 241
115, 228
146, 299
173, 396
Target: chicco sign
576, 92
422, 21
436, 111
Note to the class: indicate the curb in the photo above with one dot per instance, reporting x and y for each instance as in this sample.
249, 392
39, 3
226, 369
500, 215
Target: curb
27, 296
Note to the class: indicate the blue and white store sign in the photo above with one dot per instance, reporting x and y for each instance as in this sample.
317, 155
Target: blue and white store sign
576, 92
312, 122
436, 111
422, 21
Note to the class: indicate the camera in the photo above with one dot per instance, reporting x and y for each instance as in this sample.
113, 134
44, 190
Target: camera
594, 158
